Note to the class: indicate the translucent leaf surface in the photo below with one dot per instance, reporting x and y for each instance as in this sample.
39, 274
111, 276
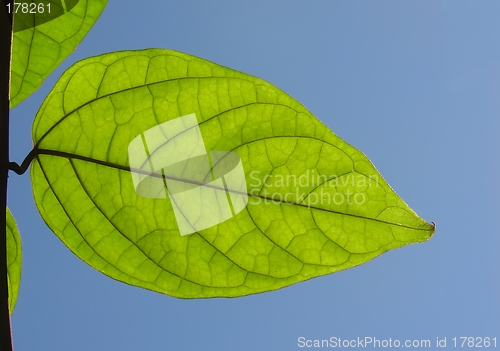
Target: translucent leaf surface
14, 260
121, 177
34, 13
38, 50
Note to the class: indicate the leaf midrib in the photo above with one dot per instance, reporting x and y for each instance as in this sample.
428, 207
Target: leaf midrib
70, 156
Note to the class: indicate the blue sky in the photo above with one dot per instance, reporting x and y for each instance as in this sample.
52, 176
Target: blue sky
414, 85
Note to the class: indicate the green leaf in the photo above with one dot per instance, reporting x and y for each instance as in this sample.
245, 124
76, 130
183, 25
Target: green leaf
37, 12
110, 136
14, 260
37, 51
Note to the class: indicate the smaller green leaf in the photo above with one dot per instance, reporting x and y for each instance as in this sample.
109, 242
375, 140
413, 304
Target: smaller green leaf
37, 12
38, 50
14, 260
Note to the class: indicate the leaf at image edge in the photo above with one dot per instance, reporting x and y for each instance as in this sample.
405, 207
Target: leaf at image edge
40, 50
14, 260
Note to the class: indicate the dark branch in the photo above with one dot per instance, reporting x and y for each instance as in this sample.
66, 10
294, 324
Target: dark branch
6, 21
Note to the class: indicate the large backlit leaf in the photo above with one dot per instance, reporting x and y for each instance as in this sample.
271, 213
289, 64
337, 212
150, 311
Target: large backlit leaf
38, 50
315, 205
14, 260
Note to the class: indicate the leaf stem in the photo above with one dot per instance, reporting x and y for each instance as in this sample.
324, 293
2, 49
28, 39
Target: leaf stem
6, 24
21, 169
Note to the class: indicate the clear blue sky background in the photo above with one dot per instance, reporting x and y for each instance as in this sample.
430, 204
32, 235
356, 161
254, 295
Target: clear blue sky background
415, 85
